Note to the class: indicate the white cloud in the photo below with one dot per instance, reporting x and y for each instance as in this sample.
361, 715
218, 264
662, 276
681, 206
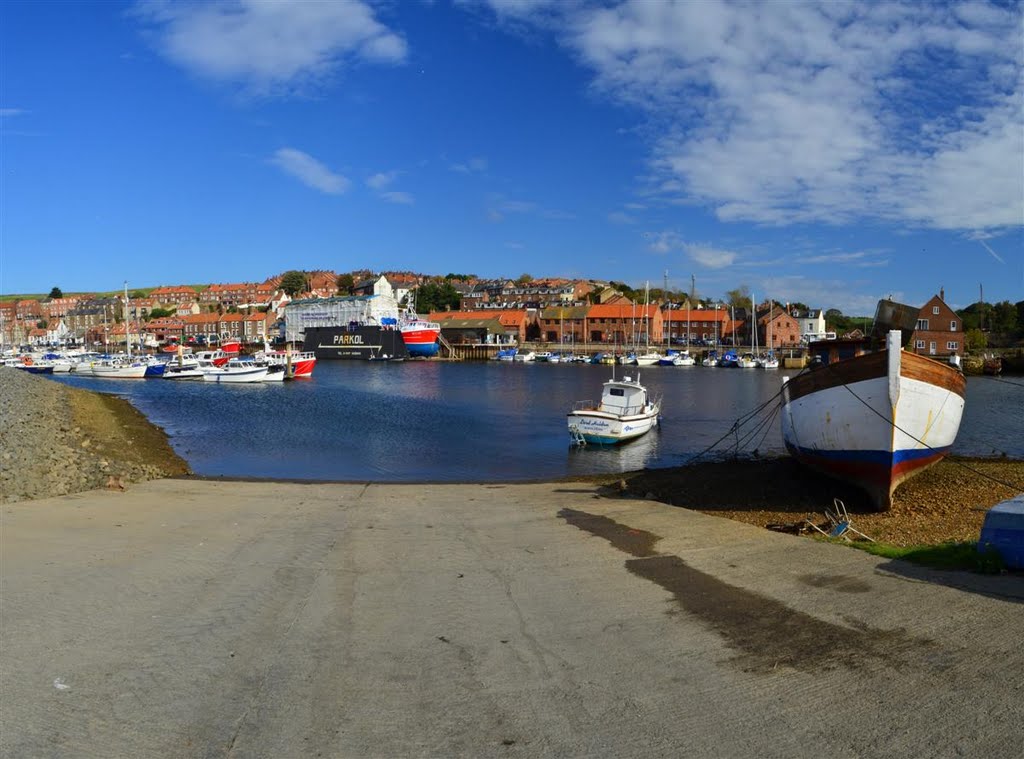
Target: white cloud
794, 112
711, 257
472, 166
309, 171
6, 113
402, 198
849, 297
663, 242
381, 180
268, 46
621, 217
499, 206
861, 258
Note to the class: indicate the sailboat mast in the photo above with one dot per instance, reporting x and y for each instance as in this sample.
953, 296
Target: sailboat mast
753, 324
668, 334
127, 337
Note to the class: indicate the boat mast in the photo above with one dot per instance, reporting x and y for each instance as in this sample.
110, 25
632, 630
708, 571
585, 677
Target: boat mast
668, 334
127, 337
689, 304
753, 325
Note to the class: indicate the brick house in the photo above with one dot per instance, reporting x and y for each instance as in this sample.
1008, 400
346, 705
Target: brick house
939, 330
84, 321
781, 326
231, 326
705, 324
57, 308
29, 310
236, 294
564, 324
173, 295
165, 329
200, 324
514, 322
323, 284
624, 324
256, 326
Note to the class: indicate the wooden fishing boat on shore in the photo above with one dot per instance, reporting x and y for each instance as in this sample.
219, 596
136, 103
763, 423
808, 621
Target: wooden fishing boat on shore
873, 419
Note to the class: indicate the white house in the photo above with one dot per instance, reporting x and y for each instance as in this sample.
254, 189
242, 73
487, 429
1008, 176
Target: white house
812, 324
57, 333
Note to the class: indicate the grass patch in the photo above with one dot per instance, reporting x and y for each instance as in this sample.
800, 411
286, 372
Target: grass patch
952, 555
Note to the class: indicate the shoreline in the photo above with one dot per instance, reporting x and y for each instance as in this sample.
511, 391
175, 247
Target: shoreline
72, 440
68, 440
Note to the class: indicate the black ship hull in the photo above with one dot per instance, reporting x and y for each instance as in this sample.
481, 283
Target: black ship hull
355, 343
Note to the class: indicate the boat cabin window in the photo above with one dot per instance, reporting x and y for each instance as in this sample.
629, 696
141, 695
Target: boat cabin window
616, 391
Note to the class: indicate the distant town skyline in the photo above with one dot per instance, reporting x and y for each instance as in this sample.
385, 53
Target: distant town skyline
825, 153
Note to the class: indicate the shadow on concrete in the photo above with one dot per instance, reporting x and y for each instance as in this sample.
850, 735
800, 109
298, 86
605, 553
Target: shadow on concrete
1007, 587
774, 484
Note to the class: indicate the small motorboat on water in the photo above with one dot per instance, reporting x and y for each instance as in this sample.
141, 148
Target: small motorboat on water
625, 412
676, 358
236, 372
297, 364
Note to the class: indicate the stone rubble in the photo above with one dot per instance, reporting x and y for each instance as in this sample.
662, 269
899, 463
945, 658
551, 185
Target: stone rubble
43, 453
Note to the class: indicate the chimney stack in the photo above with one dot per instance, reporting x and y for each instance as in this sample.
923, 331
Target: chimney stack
942, 294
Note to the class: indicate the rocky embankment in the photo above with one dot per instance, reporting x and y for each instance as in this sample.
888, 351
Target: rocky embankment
59, 440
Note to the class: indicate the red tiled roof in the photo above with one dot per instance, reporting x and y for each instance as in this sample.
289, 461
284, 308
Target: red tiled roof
621, 311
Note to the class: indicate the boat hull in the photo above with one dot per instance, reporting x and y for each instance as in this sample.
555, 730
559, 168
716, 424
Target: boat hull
357, 343
231, 376
421, 343
872, 421
297, 365
598, 428
130, 371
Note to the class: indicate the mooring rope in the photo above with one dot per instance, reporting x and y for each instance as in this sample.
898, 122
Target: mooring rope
1018, 487
738, 424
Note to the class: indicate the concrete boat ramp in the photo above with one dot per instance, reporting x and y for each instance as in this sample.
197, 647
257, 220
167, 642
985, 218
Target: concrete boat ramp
212, 618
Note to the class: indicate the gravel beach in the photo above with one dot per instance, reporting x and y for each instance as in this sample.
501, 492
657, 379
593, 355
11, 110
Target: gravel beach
59, 440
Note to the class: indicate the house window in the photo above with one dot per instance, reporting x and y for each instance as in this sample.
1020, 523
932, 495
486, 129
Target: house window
952, 326
922, 324
952, 345
920, 345
935, 309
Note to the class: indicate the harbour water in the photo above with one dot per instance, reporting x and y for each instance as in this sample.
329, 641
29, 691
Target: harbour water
482, 422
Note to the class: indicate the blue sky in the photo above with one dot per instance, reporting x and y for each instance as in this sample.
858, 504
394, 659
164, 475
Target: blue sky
828, 153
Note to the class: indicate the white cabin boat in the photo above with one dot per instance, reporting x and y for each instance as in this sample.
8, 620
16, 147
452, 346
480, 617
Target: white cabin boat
625, 412
123, 368
235, 371
296, 363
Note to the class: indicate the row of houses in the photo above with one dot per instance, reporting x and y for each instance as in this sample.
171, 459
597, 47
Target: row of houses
620, 323
939, 330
